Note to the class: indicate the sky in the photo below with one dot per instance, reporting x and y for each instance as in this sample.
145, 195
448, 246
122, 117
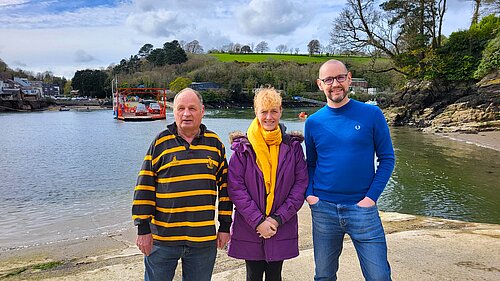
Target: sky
63, 36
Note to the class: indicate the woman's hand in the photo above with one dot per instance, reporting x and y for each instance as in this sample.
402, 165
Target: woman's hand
266, 229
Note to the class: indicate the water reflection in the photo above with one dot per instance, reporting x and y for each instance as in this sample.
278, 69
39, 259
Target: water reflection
438, 177
70, 174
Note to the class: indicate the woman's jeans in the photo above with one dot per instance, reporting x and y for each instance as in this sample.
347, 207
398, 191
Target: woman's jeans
197, 263
331, 222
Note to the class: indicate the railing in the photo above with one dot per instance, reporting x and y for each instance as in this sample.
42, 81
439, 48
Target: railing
298, 98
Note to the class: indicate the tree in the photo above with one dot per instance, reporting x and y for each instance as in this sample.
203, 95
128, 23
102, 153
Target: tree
237, 48
179, 83
488, 7
462, 54
91, 83
227, 48
282, 48
246, 49
491, 58
67, 88
262, 47
174, 53
193, 47
297, 51
157, 57
403, 30
313, 47
145, 50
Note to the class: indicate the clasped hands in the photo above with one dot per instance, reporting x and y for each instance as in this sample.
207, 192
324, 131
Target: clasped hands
267, 228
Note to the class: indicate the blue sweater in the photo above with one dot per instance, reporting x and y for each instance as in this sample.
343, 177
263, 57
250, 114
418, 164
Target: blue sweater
341, 144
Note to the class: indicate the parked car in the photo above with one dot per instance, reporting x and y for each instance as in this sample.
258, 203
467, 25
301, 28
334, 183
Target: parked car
154, 108
141, 110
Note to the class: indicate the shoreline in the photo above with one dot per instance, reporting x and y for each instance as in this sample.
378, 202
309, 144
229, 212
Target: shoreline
420, 248
486, 139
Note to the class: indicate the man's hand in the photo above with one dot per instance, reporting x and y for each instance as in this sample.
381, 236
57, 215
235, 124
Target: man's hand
311, 199
366, 202
266, 229
145, 243
222, 239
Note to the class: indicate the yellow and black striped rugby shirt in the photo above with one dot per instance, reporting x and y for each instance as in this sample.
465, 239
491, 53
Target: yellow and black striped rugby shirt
177, 189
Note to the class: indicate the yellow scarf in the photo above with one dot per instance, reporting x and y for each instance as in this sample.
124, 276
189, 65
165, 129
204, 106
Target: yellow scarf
266, 145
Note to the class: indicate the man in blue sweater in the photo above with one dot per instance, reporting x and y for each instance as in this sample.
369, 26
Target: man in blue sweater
342, 140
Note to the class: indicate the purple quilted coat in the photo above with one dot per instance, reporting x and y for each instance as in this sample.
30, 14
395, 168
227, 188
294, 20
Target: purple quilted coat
247, 191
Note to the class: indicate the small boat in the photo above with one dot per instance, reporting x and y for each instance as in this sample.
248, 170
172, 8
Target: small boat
303, 115
63, 108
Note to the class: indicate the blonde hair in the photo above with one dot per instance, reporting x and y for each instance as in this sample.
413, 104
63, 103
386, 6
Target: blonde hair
266, 98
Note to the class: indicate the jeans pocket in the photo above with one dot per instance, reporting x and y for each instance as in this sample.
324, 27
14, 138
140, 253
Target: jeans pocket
366, 209
314, 205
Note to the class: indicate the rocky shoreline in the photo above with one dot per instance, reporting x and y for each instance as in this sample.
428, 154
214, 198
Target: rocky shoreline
446, 108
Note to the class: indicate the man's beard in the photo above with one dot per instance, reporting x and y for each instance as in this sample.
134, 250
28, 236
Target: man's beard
337, 99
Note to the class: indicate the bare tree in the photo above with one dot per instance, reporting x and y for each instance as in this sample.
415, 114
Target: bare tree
282, 48
193, 47
484, 7
227, 48
262, 47
297, 51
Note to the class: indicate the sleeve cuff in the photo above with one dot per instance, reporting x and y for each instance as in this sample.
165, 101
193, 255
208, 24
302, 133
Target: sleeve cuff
143, 228
277, 218
224, 227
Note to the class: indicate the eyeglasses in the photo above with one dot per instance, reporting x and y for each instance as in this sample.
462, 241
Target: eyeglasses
329, 80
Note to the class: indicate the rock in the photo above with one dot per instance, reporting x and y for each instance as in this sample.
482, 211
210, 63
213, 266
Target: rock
443, 107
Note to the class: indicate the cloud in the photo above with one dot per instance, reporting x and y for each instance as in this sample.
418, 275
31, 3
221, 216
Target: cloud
10, 3
82, 56
27, 17
273, 17
157, 23
19, 64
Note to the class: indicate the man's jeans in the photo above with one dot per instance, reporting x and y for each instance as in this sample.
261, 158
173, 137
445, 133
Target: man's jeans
331, 222
197, 263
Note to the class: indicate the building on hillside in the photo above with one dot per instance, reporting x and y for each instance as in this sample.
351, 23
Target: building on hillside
204, 86
359, 85
50, 90
9, 90
30, 90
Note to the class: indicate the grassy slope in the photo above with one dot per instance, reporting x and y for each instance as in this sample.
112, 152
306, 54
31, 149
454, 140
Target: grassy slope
283, 57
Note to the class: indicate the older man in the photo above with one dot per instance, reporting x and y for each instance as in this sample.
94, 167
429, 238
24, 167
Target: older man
183, 173
342, 139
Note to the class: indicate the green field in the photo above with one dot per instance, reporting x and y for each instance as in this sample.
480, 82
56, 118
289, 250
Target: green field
281, 57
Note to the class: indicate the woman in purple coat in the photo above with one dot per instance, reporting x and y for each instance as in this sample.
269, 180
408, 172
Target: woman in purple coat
267, 180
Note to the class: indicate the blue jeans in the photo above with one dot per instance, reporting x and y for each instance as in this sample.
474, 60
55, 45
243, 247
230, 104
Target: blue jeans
197, 263
330, 224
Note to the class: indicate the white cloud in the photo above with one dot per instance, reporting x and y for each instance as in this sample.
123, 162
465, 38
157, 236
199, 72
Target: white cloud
6, 3
64, 39
156, 23
273, 17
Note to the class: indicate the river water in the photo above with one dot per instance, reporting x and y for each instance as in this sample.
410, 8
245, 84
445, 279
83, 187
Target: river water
69, 175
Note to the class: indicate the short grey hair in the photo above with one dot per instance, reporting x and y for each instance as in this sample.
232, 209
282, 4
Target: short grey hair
189, 90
